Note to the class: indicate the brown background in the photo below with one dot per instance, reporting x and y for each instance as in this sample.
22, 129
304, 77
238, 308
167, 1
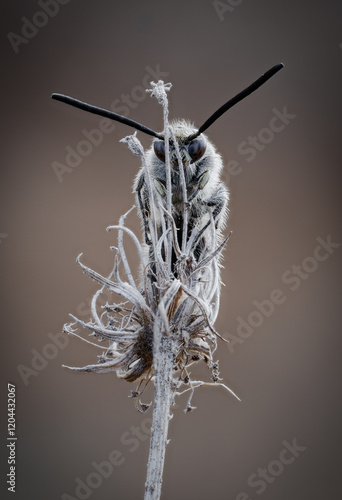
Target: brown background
288, 371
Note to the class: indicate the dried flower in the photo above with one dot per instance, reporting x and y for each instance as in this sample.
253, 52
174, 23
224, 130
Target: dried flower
186, 306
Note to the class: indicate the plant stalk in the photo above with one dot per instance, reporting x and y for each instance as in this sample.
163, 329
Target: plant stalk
161, 416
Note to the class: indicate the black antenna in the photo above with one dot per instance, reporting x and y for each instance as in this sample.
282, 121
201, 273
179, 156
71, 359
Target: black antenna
104, 112
254, 86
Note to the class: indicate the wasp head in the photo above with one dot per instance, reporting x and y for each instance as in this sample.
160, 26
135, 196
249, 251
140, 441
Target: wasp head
190, 151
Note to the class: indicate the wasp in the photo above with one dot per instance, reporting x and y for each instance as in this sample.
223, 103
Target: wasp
189, 149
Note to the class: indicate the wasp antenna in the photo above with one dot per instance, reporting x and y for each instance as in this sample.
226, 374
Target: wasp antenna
104, 112
241, 95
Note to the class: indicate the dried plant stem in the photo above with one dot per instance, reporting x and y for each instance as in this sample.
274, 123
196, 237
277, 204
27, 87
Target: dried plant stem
164, 349
163, 395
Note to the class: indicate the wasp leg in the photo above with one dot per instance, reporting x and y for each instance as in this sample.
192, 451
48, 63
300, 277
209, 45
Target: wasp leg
144, 211
218, 201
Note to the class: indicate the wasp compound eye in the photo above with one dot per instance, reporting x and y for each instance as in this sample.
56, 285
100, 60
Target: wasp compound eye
159, 149
196, 149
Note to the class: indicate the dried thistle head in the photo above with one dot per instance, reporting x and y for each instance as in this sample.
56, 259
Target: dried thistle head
178, 291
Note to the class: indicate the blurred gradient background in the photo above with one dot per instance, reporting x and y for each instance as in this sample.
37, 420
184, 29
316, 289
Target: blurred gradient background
287, 372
